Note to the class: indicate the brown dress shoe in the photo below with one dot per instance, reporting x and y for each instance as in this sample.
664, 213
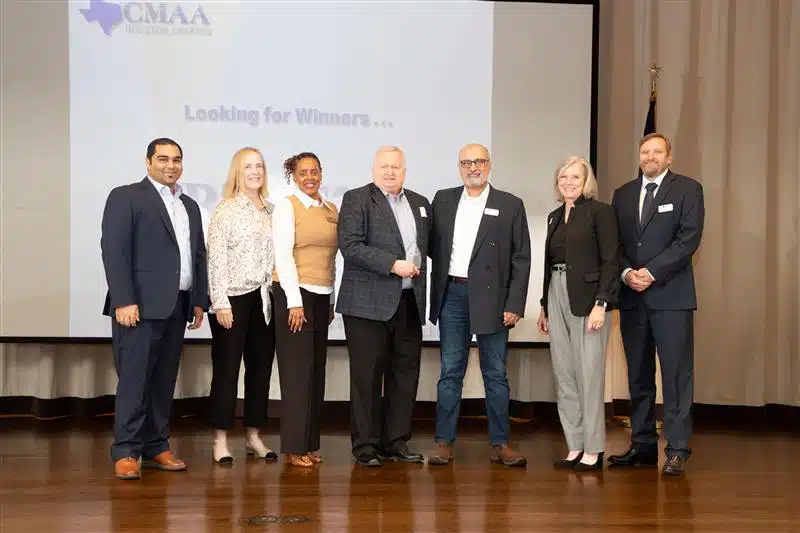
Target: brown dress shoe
442, 455
503, 454
165, 461
127, 468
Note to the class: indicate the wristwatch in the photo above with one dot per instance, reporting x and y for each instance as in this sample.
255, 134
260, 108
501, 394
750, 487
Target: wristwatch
600, 303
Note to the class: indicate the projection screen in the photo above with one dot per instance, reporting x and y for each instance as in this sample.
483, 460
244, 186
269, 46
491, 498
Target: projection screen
336, 78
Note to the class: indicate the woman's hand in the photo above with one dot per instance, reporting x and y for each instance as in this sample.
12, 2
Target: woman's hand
297, 318
596, 318
541, 323
224, 317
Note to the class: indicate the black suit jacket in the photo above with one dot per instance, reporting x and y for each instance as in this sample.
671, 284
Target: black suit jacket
370, 243
500, 266
140, 253
664, 243
592, 253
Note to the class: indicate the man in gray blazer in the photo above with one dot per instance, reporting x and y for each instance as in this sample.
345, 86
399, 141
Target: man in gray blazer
154, 256
481, 255
383, 236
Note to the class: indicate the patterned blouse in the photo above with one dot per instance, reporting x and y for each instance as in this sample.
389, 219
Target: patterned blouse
240, 252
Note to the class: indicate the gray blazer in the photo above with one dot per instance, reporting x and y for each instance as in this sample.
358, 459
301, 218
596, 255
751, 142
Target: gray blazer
370, 243
501, 258
140, 253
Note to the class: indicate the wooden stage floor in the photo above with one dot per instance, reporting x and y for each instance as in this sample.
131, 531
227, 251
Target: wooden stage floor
55, 477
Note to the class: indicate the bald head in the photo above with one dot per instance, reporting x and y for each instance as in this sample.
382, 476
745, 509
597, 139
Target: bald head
472, 151
474, 165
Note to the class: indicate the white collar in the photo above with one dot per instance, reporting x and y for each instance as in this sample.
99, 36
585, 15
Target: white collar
308, 202
657, 180
160, 187
481, 197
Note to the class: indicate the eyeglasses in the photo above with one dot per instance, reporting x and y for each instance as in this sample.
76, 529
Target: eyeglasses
479, 163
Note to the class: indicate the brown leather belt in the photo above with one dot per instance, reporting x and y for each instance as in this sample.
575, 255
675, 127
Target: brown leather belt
458, 279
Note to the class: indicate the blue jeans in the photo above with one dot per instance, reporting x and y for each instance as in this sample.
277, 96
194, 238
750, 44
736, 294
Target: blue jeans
455, 338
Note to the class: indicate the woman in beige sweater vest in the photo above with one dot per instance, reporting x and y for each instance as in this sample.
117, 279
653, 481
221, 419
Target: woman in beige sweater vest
304, 233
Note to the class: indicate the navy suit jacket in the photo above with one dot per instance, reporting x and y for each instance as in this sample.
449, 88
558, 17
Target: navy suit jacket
140, 253
664, 242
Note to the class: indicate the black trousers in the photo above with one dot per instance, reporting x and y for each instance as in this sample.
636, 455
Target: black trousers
252, 337
301, 367
383, 354
146, 359
672, 333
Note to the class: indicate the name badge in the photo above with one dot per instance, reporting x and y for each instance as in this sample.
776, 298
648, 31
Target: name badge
491, 212
664, 208
422, 212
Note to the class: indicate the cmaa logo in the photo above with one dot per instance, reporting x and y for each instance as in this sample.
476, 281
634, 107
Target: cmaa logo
147, 18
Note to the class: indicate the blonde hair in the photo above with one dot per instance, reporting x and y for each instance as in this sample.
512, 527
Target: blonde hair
233, 184
589, 181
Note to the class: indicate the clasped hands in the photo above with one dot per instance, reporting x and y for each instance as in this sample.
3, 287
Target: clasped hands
405, 269
638, 280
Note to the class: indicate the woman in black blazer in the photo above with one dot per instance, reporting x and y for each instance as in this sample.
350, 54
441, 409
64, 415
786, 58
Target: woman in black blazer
581, 282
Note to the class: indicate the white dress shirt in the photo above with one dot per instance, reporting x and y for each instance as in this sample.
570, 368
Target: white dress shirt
642, 193
283, 240
468, 219
180, 224
657, 180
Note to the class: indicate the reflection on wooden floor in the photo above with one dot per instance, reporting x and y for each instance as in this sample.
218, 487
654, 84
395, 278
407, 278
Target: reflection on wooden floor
55, 478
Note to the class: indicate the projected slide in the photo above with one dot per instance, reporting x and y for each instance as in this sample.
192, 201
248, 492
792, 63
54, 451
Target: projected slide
338, 79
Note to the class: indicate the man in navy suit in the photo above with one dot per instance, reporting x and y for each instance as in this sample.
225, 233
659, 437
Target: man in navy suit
154, 257
660, 218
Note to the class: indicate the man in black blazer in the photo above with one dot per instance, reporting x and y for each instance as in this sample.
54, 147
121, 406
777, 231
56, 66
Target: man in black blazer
660, 218
154, 257
481, 256
383, 236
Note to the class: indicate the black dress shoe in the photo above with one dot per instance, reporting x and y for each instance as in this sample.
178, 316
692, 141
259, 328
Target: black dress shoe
635, 458
566, 463
673, 466
369, 459
597, 465
400, 452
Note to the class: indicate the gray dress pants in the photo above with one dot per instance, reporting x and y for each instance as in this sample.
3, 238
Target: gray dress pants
579, 364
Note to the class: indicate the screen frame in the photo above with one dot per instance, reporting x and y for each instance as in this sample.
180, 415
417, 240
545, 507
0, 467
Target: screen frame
425, 344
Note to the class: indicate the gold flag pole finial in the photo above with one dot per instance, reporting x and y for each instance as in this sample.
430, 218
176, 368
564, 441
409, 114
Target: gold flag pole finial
654, 73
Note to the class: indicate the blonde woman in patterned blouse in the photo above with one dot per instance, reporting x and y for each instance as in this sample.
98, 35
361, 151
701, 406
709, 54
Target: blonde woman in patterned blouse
240, 264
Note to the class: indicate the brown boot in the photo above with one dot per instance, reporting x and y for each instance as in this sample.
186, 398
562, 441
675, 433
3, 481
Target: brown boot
502, 453
442, 455
127, 468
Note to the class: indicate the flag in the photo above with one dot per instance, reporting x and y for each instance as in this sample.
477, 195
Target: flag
650, 121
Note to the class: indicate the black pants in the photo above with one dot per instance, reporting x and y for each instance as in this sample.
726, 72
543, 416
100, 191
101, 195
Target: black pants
250, 336
301, 366
383, 354
146, 358
671, 332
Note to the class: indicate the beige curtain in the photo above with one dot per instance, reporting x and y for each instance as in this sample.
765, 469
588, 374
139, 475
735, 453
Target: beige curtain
729, 98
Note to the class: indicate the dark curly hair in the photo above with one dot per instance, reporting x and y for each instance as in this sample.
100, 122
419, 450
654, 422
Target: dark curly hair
290, 165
